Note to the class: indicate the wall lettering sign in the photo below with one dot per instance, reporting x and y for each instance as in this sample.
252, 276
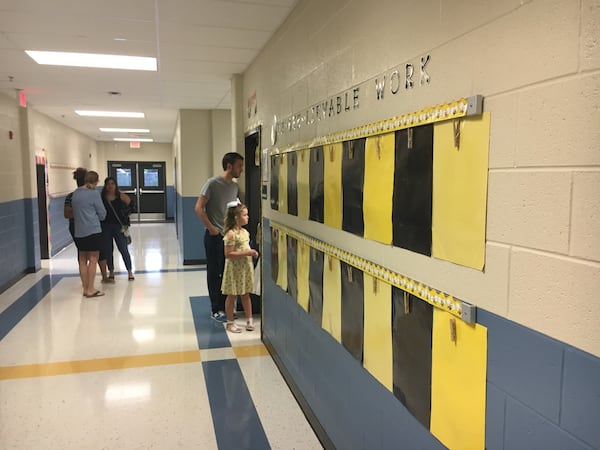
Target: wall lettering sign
394, 81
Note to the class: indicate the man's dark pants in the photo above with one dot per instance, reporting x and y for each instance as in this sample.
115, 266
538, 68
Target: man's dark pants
215, 263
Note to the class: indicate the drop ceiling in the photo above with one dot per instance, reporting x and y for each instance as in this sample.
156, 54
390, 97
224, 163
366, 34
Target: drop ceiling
199, 44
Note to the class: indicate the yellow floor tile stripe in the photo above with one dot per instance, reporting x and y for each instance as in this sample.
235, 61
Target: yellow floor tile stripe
95, 365
246, 351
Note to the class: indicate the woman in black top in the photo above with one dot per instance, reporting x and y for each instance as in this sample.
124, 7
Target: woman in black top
117, 206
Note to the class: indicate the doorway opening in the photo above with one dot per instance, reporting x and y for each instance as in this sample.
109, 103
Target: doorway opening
145, 183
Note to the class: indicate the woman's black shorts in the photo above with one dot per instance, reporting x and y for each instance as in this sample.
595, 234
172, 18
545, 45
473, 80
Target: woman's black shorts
91, 243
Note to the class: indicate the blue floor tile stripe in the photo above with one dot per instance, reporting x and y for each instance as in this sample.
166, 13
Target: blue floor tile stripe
236, 421
12, 315
210, 333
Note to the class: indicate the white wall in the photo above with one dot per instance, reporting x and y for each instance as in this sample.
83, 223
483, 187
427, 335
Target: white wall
537, 64
64, 148
11, 163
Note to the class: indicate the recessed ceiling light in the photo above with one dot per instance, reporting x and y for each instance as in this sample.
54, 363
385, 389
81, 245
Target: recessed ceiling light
93, 60
133, 139
125, 130
110, 114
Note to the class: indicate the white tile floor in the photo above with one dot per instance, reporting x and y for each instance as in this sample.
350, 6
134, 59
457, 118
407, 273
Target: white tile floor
124, 371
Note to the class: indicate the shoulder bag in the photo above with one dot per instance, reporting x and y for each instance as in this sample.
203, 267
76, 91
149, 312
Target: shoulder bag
124, 228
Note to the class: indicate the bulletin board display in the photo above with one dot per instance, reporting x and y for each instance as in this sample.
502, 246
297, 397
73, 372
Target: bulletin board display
417, 181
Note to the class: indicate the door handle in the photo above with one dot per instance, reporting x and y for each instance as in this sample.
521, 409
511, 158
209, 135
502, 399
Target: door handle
151, 192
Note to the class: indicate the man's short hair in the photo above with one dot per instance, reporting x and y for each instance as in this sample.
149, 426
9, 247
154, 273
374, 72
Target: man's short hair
79, 175
231, 158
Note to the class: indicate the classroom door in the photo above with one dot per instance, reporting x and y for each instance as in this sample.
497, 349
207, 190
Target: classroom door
252, 175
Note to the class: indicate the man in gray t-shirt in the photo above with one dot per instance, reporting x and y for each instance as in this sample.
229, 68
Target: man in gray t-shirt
210, 208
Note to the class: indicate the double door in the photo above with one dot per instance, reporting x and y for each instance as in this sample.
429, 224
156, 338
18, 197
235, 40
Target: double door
145, 184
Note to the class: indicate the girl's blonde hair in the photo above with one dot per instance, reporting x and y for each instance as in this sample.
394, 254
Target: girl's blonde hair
91, 179
230, 216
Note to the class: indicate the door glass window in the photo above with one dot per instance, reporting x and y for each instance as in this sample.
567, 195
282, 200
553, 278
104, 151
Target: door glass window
151, 178
124, 177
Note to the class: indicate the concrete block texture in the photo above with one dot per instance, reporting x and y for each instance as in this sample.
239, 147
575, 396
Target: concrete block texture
529, 55
581, 392
503, 128
530, 209
558, 123
585, 216
557, 296
590, 34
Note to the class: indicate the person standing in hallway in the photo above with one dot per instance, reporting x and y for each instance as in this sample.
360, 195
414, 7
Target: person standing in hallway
117, 205
210, 209
88, 211
238, 275
79, 177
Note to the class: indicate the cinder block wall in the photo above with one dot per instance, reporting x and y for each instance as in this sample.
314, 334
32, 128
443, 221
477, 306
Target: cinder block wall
537, 64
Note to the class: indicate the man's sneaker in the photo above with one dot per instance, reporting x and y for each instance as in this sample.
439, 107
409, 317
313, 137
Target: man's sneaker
219, 316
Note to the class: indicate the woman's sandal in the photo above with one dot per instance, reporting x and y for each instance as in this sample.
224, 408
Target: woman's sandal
249, 326
233, 328
95, 294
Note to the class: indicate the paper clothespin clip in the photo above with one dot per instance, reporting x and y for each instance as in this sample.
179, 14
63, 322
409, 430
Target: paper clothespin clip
409, 136
453, 330
351, 150
406, 303
331, 154
378, 144
456, 127
349, 271
375, 285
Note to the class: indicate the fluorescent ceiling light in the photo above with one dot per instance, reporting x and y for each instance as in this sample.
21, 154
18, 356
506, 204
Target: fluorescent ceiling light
133, 139
93, 60
110, 114
125, 130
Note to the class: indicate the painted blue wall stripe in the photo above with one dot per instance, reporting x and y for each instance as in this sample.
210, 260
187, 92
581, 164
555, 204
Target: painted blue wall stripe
236, 422
210, 333
12, 315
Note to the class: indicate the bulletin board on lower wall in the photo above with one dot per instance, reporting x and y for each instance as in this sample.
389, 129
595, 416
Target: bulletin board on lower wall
416, 182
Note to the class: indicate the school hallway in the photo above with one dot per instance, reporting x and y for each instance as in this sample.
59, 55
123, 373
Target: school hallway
142, 367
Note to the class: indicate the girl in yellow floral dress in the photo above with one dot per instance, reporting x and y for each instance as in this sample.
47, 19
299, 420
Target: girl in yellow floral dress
238, 275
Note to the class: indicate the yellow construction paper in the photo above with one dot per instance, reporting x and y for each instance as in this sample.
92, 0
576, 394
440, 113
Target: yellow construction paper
303, 269
377, 351
460, 190
282, 260
332, 185
332, 297
379, 187
458, 374
303, 183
